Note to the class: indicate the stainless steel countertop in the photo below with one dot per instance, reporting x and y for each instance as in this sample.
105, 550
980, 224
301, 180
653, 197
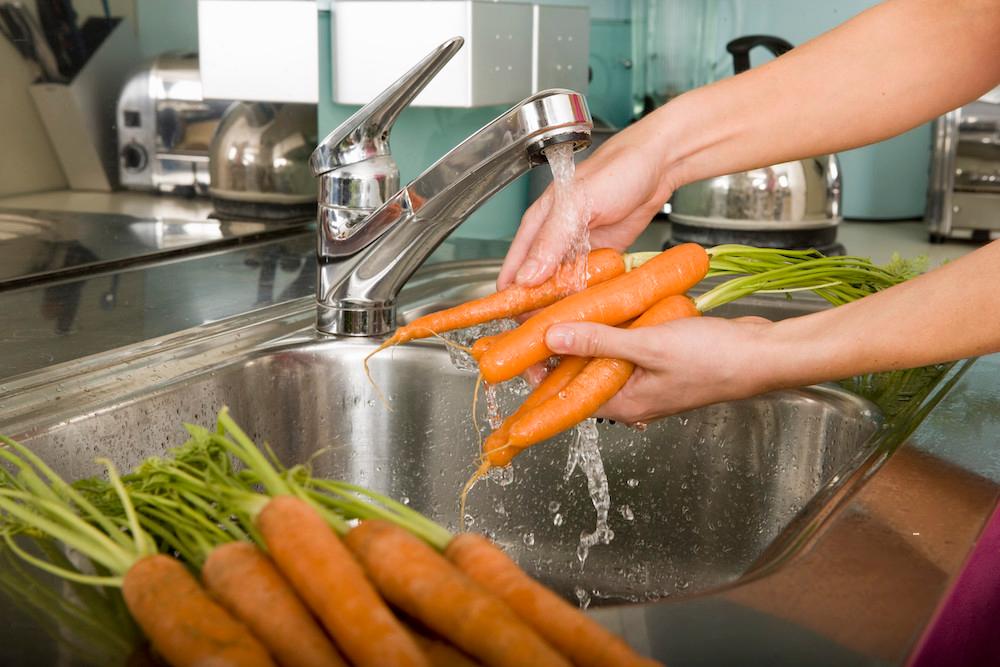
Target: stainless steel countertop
60, 320
841, 599
43, 245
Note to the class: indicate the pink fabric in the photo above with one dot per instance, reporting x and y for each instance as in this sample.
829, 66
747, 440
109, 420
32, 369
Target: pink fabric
965, 631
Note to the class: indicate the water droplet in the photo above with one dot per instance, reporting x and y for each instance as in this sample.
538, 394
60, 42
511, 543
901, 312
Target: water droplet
528, 539
626, 512
632, 482
583, 596
405, 500
558, 519
469, 520
554, 506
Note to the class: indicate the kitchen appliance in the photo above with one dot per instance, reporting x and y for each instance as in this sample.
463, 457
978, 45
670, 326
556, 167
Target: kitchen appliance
259, 161
165, 127
788, 205
963, 200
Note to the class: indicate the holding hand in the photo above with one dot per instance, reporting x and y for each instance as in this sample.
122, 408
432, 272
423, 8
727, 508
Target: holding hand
679, 366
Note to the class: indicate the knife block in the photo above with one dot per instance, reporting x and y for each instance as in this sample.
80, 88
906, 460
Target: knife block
79, 116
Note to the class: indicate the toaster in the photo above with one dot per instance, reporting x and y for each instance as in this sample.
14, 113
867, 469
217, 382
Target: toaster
165, 127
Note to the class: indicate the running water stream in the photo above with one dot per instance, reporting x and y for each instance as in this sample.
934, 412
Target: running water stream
568, 218
585, 455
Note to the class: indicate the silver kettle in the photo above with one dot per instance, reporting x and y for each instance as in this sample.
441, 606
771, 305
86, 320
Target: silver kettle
791, 205
259, 161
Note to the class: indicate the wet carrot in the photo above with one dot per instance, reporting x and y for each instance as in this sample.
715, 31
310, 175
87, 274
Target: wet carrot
334, 586
592, 387
423, 584
602, 265
612, 302
565, 627
442, 654
496, 450
247, 583
479, 348
185, 625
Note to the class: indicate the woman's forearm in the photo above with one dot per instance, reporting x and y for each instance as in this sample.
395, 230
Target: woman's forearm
947, 314
888, 70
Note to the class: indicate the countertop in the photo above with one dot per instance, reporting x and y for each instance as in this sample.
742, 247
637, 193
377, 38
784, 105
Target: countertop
869, 619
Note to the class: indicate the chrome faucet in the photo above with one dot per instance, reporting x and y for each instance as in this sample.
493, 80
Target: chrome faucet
374, 235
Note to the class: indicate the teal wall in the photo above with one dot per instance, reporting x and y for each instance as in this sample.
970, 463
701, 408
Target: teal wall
883, 181
167, 25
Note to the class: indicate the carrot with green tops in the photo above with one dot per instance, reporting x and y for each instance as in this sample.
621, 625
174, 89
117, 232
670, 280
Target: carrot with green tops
302, 542
421, 582
562, 625
185, 625
575, 635
496, 451
602, 265
612, 302
592, 387
247, 582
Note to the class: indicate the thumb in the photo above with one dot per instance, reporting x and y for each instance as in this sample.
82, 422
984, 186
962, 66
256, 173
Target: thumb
587, 339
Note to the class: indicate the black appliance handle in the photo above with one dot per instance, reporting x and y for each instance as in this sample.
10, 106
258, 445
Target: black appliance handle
741, 46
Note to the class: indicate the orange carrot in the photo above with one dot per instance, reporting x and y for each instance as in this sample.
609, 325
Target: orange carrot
248, 584
479, 348
592, 387
423, 584
441, 653
563, 626
495, 449
671, 272
184, 624
602, 265
333, 584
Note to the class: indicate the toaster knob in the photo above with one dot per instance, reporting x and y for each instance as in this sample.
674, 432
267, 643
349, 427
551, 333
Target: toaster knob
134, 157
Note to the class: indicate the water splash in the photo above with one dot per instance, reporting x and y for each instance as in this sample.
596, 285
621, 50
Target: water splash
585, 455
569, 215
461, 359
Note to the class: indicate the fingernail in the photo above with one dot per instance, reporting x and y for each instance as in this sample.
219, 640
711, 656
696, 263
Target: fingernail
559, 339
528, 272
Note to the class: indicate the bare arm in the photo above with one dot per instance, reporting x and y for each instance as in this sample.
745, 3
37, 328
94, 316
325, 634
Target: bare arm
946, 314
887, 70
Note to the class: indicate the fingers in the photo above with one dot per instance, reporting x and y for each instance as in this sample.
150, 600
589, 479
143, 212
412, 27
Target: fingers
586, 339
531, 222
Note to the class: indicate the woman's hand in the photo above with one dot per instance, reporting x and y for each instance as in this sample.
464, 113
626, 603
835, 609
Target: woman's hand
622, 186
680, 365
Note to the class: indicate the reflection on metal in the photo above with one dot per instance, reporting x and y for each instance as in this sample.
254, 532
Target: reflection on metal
795, 532
45, 245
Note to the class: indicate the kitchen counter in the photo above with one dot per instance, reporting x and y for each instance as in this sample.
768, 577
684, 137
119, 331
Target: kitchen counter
844, 597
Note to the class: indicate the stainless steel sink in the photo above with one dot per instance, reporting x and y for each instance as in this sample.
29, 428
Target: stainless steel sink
695, 499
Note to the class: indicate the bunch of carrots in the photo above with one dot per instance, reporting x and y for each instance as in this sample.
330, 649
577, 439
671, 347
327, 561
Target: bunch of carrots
224, 557
637, 290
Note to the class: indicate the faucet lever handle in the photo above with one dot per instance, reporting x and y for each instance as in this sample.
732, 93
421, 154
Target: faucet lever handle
366, 133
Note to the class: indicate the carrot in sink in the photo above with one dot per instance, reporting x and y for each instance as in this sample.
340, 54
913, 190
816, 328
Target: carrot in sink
592, 387
602, 265
612, 302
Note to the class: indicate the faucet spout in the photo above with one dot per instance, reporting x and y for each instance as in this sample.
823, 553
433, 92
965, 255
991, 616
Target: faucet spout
358, 286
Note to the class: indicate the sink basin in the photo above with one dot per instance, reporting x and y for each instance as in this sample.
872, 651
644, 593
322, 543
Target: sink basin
695, 501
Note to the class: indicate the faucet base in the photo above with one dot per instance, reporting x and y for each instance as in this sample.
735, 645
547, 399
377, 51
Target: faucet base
355, 320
